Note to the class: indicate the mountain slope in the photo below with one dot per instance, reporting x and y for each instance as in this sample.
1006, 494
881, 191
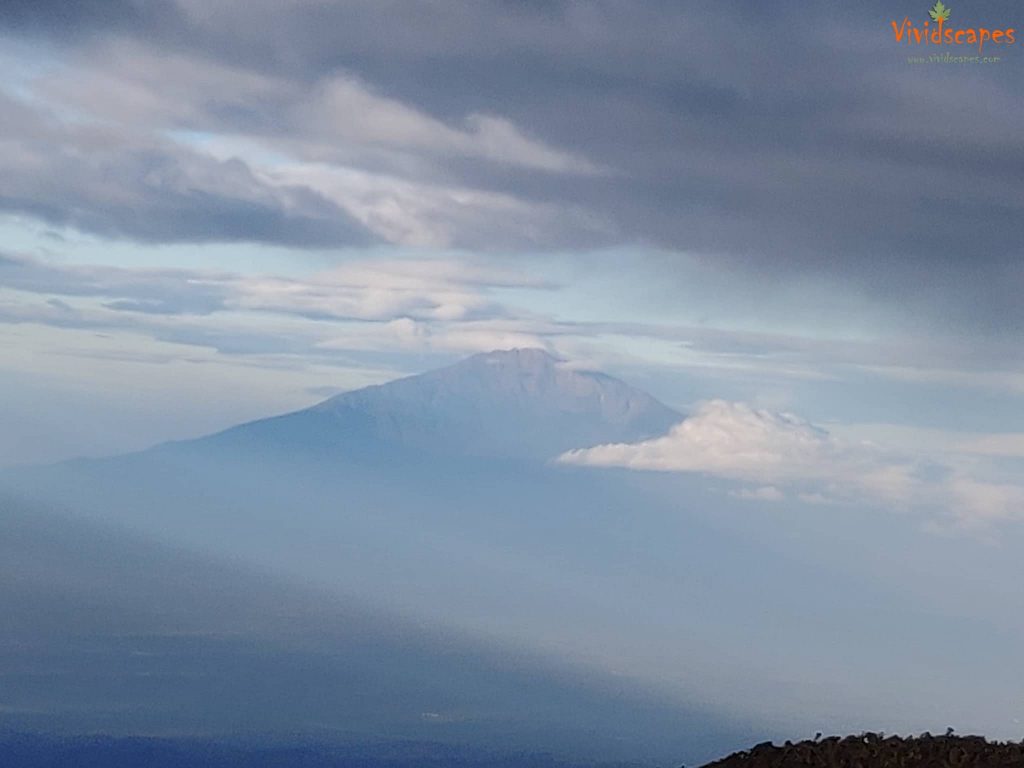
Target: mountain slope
520, 403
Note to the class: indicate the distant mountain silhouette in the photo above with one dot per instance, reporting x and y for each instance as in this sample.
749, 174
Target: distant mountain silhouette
520, 403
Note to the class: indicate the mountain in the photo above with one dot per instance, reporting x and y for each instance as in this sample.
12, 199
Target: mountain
520, 403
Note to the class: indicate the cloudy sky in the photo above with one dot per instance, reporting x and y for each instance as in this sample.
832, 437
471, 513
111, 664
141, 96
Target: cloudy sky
762, 213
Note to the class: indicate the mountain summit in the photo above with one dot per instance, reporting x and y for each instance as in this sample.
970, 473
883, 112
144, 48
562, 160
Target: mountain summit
519, 403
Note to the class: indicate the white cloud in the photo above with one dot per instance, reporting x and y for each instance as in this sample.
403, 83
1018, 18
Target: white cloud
730, 440
779, 450
1010, 444
976, 503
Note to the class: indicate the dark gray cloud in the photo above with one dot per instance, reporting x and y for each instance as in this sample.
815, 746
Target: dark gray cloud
85, 18
107, 181
781, 139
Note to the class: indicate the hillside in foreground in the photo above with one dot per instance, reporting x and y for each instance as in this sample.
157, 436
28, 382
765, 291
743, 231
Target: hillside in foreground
872, 750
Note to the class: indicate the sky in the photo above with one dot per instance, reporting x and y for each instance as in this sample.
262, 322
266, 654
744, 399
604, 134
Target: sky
763, 214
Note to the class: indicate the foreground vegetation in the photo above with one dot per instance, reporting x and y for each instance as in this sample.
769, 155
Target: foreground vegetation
875, 750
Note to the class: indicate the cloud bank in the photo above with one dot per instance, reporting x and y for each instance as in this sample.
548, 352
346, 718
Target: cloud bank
769, 451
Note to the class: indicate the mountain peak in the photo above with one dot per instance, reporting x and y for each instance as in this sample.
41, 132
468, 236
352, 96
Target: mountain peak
516, 402
517, 362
